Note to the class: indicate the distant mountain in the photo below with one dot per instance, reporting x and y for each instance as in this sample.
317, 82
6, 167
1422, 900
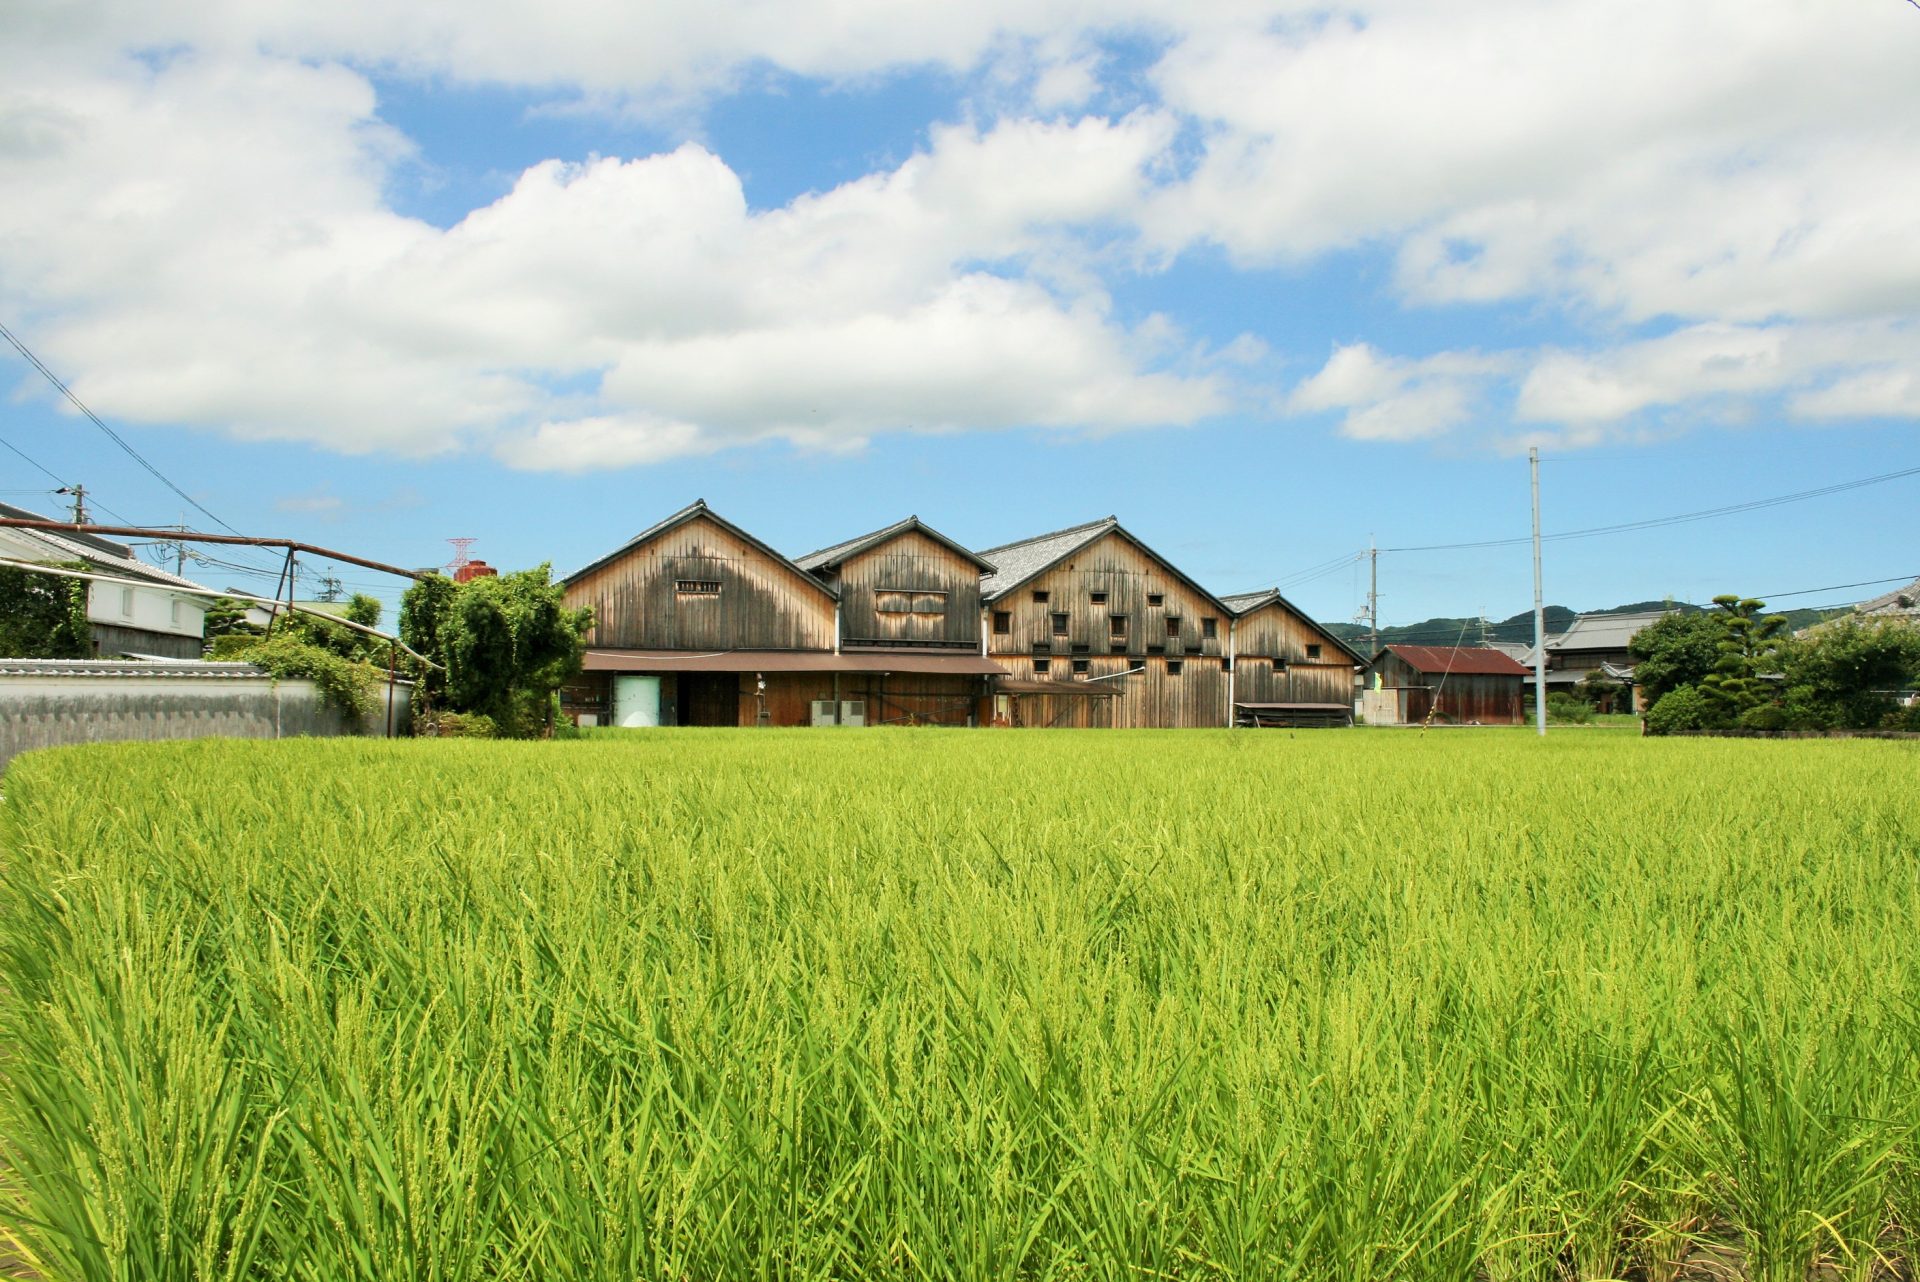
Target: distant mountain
1519, 628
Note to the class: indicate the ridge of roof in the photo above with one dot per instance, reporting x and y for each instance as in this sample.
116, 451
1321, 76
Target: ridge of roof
94, 550
1052, 534
838, 552
694, 509
1244, 603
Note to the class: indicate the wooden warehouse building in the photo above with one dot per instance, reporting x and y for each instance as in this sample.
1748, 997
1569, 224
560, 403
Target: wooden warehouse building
1455, 685
696, 622
1287, 670
1097, 629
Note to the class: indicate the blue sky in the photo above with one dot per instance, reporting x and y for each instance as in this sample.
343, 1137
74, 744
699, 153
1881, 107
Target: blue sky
1267, 282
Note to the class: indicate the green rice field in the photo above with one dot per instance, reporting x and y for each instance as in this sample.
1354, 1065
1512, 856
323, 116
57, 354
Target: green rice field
896, 1004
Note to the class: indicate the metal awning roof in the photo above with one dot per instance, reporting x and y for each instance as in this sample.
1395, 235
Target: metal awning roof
1296, 707
869, 662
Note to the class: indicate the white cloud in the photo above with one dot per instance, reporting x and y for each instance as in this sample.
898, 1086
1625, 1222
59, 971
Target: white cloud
209, 244
1709, 160
1387, 398
204, 235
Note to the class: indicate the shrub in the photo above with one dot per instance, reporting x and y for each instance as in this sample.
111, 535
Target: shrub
1684, 708
1568, 709
349, 687
1765, 716
455, 725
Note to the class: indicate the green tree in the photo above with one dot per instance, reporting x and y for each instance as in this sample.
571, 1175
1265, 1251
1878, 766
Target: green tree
1750, 654
43, 616
1675, 650
1844, 674
508, 643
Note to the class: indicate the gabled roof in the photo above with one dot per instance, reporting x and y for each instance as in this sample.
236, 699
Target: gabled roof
1015, 563
1018, 563
842, 552
1603, 631
1475, 661
693, 510
1899, 603
1244, 603
103, 554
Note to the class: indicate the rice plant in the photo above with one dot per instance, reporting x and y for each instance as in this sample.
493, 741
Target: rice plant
945, 1005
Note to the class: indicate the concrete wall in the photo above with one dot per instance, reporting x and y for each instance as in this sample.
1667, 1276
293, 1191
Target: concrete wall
44, 711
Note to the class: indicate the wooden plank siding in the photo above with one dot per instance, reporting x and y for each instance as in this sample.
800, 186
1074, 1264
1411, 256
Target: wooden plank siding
1129, 629
909, 570
1282, 657
761, 604
1453, 698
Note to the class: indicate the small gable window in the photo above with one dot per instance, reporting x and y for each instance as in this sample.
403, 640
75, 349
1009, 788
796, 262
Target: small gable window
1313, 652
1002, 622
1155, 598
1059, 625
1209, 628
696, 587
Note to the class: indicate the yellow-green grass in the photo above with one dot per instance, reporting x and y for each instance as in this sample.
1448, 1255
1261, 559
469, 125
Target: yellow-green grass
922, 1004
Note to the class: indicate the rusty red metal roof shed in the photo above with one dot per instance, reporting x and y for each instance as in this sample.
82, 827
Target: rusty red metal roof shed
1464, 660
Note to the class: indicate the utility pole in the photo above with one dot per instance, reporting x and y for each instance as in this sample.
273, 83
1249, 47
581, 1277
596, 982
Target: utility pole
79, 495
1373, 600
180, 549
1539, 606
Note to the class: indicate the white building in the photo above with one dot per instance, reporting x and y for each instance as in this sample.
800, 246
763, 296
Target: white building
152, 618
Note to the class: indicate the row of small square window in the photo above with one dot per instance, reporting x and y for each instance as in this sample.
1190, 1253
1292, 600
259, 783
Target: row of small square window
1117, 623
1042, 596
1042, 666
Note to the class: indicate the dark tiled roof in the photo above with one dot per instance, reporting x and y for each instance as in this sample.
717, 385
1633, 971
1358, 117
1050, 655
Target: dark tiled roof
1015, 563
1603, 631
1899, 603
840, 552
1462, 660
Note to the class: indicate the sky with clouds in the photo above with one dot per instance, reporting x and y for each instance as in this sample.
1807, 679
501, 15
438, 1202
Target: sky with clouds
1268, 281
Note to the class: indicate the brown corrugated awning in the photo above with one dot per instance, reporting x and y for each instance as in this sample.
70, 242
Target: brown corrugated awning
1080, 689
957, 665
1294, 707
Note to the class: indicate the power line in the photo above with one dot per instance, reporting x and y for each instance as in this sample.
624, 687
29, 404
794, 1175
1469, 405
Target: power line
100, 423
33, 462
1835, 587
1679, 518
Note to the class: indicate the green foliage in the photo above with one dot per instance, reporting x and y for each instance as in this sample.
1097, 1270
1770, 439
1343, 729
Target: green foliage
1749, 653
507, 642
1847, 673
227, 616
349, 686
679, 1006
1762, 716
363, 610
1568, 709
1684, 708
44, 617
454, 725
1675, 650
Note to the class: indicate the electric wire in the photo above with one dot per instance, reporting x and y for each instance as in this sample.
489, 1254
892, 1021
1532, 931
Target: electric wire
112, 435
1678, 518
